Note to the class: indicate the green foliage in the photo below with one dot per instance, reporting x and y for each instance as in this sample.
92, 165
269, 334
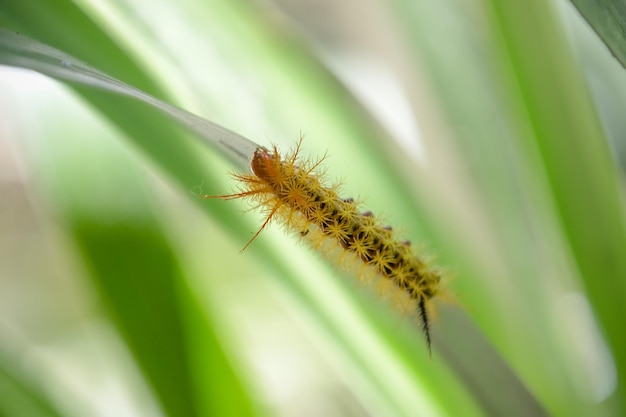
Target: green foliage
513, 184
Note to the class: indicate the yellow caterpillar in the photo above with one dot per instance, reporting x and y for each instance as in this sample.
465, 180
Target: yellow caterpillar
290, 192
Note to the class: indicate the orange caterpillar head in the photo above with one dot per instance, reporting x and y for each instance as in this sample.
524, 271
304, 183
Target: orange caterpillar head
265, 165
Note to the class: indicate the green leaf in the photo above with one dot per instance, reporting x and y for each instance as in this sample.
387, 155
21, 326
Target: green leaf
20, 51
20, 395
608, 20
583, 177
517, 193
139, 279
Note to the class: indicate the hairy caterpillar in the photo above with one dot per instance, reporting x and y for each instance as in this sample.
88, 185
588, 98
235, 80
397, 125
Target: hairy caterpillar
289, 191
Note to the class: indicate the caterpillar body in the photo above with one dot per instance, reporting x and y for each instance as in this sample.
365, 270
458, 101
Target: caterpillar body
289, 191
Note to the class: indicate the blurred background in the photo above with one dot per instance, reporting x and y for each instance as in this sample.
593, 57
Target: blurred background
490, 134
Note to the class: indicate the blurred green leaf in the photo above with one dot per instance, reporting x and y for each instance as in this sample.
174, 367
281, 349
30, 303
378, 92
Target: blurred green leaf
59, 22
20, 396
518, 177
582, 174
608, 19
21, 51
138, 278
